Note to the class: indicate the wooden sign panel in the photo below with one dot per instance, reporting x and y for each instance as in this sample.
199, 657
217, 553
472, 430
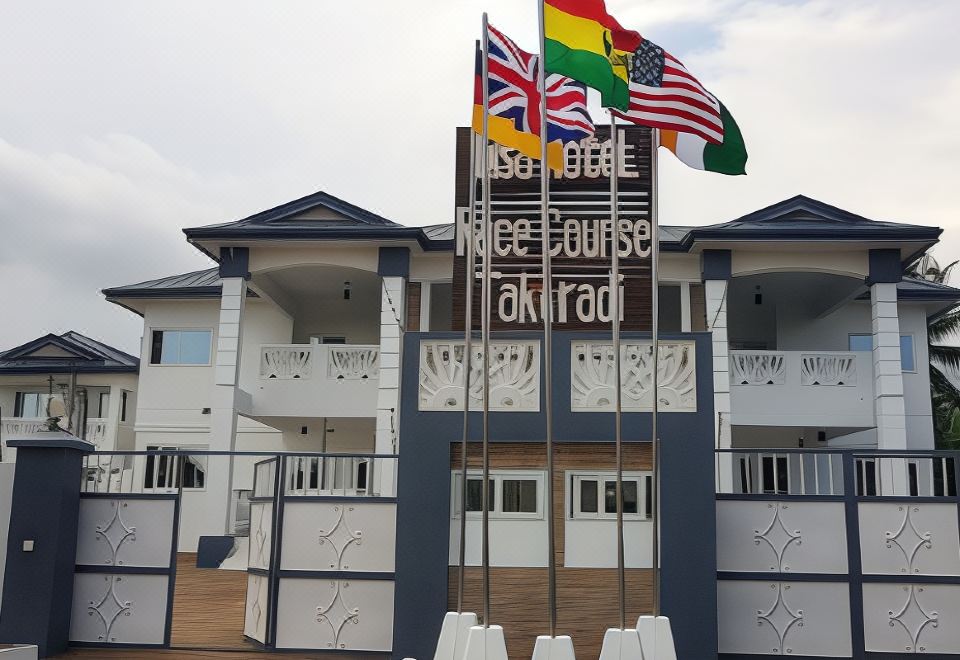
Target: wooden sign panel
581, 232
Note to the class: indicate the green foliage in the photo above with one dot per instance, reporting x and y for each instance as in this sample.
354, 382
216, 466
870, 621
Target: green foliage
944, 394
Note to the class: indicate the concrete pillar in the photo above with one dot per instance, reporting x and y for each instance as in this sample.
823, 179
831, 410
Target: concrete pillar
41, 546
223, 400
717, 270
394, 269
887, 373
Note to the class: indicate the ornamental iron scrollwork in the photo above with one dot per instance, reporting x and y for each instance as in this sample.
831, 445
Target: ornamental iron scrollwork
347, 614
778, 536
116, 532
593, 371
109, 608
781, 618
908, 539
514, 374
913, 618
341, 537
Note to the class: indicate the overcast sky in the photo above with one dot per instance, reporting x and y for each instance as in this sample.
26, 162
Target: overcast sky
122, 122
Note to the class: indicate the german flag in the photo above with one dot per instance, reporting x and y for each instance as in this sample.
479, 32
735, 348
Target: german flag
586, 43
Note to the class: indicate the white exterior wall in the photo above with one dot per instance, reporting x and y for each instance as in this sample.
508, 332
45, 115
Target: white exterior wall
831, 333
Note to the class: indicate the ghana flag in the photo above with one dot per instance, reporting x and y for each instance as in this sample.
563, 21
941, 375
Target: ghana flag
582, 41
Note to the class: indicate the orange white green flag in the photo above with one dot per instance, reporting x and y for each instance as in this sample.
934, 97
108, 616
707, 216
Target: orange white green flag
582, 41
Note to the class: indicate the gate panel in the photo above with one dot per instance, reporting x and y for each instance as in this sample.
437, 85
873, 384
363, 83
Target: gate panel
125, 568
260, 560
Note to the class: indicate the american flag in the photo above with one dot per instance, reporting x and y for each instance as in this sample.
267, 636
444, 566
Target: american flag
515, 93
663, 94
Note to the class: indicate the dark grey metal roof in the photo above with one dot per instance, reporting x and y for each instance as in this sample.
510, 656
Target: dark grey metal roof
85, 355
196, 284
911, 288
803, 218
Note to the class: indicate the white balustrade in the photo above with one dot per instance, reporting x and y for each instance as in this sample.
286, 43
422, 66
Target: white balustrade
19, 426
802, 388
353, 362
96, 431
285, 362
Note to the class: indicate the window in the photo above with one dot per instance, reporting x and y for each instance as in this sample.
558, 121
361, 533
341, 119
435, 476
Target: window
670, 302
123, 406
906, 353
907, 358
510, 494
103, 404
595, 496
170, 472
329, 339
441, 306
180, 347
31, 405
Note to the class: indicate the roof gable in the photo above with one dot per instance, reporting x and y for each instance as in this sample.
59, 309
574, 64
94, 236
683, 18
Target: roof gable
69, 351
318, 208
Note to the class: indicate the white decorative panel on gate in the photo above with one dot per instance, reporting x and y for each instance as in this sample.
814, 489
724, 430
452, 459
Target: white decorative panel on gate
900, 538
345, 536
514, 376
255, 618
781, 537
592, 376
342, 614
119, 532
784, 618
911, 618
261, 535
119, 609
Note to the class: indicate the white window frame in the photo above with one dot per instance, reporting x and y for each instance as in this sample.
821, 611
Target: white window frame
426, 293
498, 477
210, 351
573, 479
175, 459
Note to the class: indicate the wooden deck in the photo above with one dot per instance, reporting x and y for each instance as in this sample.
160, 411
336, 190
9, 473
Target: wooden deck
208, 607
155, 654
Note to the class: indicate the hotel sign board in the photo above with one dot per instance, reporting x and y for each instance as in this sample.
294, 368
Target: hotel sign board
580, 235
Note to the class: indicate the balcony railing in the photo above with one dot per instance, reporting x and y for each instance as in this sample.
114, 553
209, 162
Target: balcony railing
796, 388
96, 430
300, 361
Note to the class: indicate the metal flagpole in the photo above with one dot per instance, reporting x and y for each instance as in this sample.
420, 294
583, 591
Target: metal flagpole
485, 327
546, 311
470, 277
655, 327
615, 323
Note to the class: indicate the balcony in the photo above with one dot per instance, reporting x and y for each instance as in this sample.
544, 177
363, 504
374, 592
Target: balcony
802, 388
317, 380
10, 427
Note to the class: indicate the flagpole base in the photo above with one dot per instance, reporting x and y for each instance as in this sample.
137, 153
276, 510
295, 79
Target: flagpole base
453, 635
485, 644
621, 644
656, 638
553, 648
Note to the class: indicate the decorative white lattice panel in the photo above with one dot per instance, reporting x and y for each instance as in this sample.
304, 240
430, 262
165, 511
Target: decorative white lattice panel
119, 532
347, 536
900, 538
911, 618
119, 609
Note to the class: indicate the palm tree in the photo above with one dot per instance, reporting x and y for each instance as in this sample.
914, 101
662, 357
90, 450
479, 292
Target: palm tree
943, 358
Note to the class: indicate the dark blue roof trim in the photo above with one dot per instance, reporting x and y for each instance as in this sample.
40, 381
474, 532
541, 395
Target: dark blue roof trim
801, 218
298, 206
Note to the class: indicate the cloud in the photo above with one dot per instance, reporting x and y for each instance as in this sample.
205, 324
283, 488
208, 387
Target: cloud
134, 120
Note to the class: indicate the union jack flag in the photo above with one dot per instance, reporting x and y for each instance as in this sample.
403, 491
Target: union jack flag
515, 94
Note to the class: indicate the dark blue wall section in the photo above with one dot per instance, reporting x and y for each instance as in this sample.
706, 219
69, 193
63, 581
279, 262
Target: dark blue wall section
885, 266
717, 265
688, 518
235, 262
38, 585
394, 262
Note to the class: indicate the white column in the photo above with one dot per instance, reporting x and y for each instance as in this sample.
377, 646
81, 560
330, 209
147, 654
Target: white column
685, 321
110, 436
887, 372
223, 410
716, 303
388, 393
